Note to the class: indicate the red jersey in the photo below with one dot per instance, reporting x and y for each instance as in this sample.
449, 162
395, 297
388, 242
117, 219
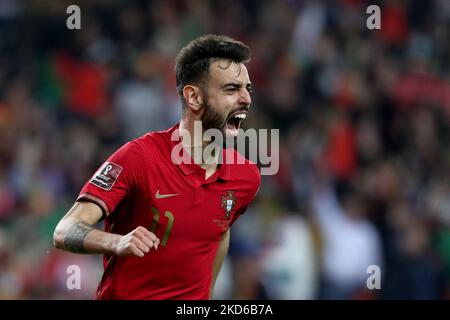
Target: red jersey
140, 185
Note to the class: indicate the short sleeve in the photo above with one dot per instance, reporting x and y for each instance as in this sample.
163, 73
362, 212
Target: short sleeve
114, 179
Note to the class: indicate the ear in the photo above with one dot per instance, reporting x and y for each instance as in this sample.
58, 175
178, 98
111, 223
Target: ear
193, 97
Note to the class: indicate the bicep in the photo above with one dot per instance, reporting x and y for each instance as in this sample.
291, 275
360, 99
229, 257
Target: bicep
226, 236
225, 240
86, 211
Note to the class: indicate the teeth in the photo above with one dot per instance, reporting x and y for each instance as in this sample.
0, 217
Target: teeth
240, 116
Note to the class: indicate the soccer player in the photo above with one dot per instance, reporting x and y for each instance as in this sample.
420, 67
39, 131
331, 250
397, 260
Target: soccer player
167, 223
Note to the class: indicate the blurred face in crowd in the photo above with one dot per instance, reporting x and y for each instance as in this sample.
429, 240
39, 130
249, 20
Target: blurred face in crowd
226, 96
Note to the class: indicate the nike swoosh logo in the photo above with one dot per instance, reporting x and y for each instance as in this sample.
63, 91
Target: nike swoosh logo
162, 196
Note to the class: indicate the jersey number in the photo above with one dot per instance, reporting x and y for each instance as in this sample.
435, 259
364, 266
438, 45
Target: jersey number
156, 217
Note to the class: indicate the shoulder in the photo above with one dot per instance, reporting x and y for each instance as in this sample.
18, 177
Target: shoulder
245, 170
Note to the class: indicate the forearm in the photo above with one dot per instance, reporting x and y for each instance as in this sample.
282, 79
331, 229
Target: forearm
76, 233
78, 236
220, 256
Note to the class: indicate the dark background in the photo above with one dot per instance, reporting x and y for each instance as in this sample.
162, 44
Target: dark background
364, 137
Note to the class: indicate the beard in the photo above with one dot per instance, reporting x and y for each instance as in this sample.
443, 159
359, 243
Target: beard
212, 119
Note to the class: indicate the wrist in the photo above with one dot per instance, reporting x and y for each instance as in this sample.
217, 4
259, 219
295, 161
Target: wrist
113, 244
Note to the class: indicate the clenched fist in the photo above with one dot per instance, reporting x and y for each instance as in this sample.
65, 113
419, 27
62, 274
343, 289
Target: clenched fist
138, 242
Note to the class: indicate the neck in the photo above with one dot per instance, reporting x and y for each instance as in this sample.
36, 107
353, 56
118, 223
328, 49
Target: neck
195, 145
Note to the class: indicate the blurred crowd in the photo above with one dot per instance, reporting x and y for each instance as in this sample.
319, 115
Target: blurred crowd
364, 120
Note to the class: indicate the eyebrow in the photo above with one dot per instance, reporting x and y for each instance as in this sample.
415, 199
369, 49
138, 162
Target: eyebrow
237, 85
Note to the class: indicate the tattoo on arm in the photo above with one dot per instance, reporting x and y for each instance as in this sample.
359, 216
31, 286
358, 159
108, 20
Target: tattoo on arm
74, 240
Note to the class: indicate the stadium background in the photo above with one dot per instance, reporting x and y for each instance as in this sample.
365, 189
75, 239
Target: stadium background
364, 150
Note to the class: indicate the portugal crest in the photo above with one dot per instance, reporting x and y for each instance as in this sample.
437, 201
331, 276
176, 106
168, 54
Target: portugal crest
228, 203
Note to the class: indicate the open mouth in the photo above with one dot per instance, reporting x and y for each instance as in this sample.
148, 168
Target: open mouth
234, 122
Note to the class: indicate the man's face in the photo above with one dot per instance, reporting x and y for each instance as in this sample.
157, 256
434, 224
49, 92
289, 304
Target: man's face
227, 97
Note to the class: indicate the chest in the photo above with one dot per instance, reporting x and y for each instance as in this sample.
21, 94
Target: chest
179, 207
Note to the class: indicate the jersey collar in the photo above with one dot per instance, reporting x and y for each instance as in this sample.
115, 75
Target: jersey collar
188, 167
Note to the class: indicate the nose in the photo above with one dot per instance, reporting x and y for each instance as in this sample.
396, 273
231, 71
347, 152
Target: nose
245, 98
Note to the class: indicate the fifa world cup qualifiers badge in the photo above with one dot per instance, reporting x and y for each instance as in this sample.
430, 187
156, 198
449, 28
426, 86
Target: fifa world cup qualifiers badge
106, 176
228, 203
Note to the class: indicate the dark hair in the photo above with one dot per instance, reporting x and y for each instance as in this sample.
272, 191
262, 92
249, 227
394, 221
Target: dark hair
193, 61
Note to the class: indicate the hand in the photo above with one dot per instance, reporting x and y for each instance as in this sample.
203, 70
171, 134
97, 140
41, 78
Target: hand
137, 243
